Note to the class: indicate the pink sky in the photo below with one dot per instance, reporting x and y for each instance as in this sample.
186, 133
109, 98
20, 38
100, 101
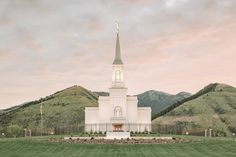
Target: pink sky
166, 45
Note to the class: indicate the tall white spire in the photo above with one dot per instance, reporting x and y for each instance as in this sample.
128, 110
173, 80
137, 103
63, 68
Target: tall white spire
117, 66
117, 59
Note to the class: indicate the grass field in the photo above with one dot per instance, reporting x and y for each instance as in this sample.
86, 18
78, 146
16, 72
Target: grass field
38, 147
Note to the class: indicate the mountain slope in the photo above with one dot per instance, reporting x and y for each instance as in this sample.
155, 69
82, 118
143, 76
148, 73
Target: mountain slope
209, 88
214, 106
159, 101
65, 107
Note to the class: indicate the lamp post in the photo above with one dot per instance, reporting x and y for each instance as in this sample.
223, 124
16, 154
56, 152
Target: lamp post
41, 116
186, 133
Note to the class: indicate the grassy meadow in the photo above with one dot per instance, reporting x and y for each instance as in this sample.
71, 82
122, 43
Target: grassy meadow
65, 107
215, 109
40, 147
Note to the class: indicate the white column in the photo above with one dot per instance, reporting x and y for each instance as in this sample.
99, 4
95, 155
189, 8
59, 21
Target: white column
210, 132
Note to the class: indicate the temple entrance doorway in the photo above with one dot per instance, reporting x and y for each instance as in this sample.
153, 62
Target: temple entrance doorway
117, 127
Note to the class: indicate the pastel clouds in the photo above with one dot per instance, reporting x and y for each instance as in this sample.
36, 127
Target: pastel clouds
167, 45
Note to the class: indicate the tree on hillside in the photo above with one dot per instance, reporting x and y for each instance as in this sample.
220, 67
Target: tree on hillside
14, 130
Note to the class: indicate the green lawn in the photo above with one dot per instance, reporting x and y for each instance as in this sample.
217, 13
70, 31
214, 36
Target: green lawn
37, 147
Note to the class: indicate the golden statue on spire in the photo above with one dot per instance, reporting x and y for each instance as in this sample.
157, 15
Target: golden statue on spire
117, 26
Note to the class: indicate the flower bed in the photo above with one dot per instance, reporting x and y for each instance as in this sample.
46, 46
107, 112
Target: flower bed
137, 140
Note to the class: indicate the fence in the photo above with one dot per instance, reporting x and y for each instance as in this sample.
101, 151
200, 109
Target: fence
155, 128
108, 127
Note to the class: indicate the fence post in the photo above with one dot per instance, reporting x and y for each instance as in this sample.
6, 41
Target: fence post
25, 131
210, 132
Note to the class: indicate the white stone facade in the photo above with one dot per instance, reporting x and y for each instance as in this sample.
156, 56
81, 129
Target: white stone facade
117, 112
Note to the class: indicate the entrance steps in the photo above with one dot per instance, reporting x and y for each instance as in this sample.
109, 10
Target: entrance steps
117, 135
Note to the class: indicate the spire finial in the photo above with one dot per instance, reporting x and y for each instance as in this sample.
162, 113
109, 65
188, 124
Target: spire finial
117, 26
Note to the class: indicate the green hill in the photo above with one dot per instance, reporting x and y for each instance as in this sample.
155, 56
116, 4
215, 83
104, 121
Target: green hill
159, 101
65, 107
214, 106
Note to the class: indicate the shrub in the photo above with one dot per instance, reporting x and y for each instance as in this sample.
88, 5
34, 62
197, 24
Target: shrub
232, 129
220, 133
14, 131
219, 109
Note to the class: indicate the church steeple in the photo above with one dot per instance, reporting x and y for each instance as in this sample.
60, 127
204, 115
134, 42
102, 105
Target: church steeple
117, 66
117, 59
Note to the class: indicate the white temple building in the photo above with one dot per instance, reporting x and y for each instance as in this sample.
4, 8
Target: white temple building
117, 112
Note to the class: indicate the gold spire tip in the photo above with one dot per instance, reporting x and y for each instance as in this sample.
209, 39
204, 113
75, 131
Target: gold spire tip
117, 27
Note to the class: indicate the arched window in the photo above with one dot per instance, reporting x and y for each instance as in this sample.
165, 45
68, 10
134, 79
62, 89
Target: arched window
117, 111
118, 77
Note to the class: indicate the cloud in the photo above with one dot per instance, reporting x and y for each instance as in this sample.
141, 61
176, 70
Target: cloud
50, 45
